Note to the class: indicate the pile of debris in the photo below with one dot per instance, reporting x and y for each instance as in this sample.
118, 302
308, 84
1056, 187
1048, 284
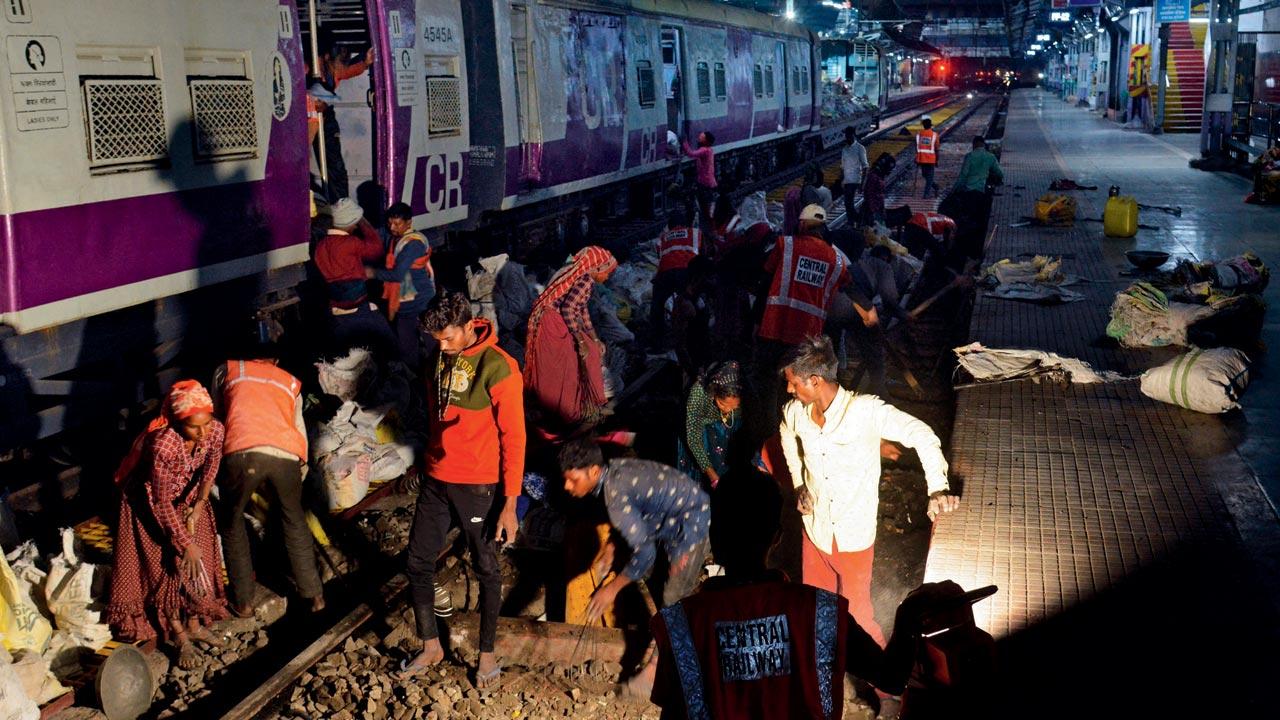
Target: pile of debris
387, 530
359, 681
181, 688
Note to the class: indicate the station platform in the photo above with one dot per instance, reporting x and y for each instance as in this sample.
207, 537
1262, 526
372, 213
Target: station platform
1136, 552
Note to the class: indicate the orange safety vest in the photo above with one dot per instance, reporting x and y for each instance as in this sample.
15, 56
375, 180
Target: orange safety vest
926, 147
808, 273
261, 404
678, 247
936, 224
397, 292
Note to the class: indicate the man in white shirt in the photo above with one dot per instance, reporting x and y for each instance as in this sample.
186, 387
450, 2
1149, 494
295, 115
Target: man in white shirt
853, 159
831, 443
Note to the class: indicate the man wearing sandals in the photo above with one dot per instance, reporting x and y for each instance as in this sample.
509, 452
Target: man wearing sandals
475, 416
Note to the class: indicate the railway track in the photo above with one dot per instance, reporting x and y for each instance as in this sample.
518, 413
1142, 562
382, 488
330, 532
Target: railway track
386, 599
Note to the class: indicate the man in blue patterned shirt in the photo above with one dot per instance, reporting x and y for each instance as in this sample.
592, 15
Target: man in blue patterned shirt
650, 505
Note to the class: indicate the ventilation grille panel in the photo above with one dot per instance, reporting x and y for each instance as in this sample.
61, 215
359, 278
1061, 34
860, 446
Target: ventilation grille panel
126, 122
224, 119
444, 106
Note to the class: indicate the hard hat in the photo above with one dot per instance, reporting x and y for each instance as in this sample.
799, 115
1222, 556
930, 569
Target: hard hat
813, 212
926, 117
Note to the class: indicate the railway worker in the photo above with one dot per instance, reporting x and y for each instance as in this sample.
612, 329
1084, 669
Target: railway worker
921, 232
165, 569
678, 245
831, 440
805, 272
927, 156
408, 282
474, 455
341, 257
704, 163
650, 505
751, 643
266, 442
971, 196
564, 358
853, 165
336, 66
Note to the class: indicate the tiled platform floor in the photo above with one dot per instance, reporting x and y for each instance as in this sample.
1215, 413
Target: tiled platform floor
1134, 552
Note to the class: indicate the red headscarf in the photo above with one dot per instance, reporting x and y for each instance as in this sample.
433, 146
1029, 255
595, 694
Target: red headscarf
185, 398
587, 261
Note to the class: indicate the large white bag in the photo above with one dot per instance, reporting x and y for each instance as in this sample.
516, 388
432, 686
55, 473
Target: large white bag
14, 703
1207, 381
69, 594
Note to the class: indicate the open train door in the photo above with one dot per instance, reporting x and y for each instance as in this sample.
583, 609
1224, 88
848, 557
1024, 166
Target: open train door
672, 80
344, 154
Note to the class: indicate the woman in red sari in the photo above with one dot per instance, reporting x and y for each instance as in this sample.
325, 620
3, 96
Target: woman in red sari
166, 577
564, 360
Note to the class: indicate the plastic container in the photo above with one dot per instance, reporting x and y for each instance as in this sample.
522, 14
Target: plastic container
1120, 219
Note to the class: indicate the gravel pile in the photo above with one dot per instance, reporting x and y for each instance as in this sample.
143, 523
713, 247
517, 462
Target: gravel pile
180, 688
358, 682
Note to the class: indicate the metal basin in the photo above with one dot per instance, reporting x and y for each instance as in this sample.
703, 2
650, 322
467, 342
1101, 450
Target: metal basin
1147, 259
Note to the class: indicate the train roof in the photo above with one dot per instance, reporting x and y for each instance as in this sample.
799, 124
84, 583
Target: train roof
696, 10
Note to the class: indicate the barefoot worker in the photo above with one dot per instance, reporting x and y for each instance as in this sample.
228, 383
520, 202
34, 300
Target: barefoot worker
166, 566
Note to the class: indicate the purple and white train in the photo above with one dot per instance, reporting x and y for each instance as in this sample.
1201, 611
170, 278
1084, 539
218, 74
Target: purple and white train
150, 148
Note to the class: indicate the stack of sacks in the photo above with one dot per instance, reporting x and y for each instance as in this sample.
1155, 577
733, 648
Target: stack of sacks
362, 443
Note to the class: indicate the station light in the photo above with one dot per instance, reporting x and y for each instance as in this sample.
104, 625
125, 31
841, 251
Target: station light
1042, 38
1041, 75
1037, 46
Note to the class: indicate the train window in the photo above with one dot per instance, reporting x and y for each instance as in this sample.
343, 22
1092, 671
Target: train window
804, 80
768, 80
222, 116
703, 74
126, 125
757, 78
645, 84
719, 81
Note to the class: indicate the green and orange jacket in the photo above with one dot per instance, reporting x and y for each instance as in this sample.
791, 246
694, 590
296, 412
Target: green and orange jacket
479, 437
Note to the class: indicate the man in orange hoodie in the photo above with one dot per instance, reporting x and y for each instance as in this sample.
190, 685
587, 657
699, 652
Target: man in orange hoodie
475, 415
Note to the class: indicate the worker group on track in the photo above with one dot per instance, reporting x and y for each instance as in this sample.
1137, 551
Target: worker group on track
780, 336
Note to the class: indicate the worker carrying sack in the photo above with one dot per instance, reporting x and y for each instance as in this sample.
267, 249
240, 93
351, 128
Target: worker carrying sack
1207, 381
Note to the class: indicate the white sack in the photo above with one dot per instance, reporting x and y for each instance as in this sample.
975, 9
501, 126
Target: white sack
14, 703
1207, 381
69, 592
343, 376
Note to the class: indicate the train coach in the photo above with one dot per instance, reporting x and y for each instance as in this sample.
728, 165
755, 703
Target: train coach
153, 151
491, 114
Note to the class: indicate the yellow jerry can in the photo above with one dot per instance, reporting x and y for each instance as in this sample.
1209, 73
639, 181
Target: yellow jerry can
1120, 219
